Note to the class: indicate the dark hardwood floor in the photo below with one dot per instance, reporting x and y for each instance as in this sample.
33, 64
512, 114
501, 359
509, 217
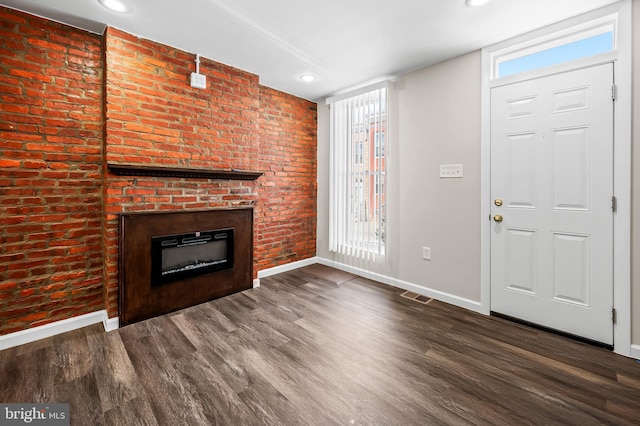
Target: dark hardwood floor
302, 350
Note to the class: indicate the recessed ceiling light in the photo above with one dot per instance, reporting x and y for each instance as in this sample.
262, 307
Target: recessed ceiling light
473, 3
307, 78
116, 6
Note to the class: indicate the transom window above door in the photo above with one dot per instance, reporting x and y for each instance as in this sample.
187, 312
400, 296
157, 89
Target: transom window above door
593, 39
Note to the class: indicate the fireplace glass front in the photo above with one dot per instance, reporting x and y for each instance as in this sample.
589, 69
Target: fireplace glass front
176, 257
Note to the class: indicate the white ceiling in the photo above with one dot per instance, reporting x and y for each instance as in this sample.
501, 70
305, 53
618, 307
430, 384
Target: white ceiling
344, 43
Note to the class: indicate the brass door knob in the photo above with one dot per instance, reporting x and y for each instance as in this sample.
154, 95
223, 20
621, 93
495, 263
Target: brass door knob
498, 218
497, 202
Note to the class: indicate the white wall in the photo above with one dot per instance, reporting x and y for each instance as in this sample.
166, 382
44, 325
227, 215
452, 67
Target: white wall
437, 121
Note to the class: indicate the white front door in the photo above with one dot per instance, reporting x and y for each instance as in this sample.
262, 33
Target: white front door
552, 188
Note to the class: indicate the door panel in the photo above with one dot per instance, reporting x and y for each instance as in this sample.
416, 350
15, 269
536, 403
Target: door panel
521, 260
552, 168
571, 179
571, 275
521, 168
571, 100
521, 108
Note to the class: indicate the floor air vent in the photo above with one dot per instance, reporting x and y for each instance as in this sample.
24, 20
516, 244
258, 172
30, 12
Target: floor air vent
416, 297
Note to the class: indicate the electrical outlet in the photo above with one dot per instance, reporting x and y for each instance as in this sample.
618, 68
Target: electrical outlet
450, 170
426, 253
198, 81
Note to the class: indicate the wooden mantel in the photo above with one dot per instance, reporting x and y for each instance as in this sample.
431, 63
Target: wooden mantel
180, 172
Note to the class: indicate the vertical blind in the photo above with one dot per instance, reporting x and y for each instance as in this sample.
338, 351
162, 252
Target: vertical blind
357, 208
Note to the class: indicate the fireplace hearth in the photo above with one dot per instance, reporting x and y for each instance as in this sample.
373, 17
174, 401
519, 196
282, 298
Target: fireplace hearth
173, 260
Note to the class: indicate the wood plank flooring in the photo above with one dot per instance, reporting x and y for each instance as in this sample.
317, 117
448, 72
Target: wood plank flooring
300, 350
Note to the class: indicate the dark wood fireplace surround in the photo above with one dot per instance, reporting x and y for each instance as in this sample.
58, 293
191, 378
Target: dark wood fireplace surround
140, 300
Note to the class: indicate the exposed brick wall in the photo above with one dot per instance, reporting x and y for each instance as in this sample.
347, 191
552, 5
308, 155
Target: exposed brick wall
50, 171
59, 203
154, 117
286, 212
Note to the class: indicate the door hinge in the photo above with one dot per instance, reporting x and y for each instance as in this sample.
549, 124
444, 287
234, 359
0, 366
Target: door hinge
614, 315
614, 204
614, 91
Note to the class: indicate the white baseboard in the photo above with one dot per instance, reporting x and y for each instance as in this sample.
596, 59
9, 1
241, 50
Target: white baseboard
462, 302
48, 330
452, 299
111, 324
286, 268
435, 294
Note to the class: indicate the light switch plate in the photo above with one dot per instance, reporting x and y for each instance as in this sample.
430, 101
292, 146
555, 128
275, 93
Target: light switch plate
450, 170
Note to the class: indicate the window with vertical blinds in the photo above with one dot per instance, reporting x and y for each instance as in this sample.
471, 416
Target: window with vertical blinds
357, 204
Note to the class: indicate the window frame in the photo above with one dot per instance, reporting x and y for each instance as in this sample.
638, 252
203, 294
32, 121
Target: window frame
542, 40
341, 231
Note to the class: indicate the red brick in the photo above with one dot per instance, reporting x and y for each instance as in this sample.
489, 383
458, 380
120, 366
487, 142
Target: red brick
283, 201
28, 114
9, 163
32, 317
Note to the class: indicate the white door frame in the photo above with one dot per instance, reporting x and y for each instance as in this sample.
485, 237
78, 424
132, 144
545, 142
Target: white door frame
622, 155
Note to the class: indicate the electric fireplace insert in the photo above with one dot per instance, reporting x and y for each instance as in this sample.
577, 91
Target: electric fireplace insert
176, 257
